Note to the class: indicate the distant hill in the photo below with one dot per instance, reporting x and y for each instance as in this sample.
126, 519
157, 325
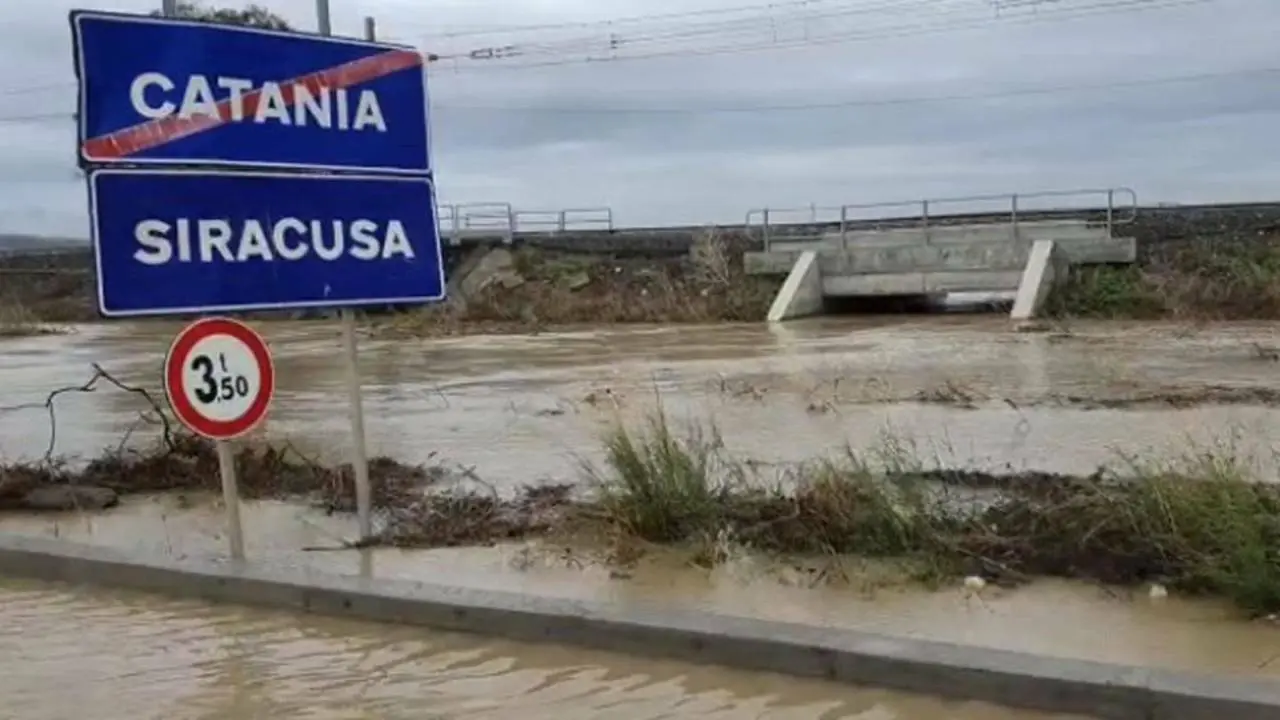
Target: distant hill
19, 244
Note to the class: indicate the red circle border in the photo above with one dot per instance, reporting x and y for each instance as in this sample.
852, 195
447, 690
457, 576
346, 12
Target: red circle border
175, 362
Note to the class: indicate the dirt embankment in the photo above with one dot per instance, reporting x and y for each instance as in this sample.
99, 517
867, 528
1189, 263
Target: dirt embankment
1194, 262
528, 290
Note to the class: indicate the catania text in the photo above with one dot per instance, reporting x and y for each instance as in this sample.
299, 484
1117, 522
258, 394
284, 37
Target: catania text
154, 95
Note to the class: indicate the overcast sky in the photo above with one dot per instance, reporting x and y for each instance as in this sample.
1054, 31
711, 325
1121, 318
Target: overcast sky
649, 137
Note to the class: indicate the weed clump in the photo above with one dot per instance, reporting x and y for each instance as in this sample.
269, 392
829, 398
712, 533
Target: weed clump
662, 487
1202, 524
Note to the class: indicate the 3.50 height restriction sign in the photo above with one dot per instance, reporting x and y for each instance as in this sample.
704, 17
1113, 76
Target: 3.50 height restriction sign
219, 378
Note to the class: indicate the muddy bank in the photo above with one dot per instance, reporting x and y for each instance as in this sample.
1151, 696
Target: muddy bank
1200, 524
1211, 262
530, 290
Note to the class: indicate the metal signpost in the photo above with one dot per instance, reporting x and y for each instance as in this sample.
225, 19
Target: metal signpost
165, 92
192, 241
234, 169
219, 379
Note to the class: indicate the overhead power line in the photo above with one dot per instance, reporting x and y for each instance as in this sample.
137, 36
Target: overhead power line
799, 107
874, 102
771, 10
777, 27
624, 20
546, 55
814, 31
35, 88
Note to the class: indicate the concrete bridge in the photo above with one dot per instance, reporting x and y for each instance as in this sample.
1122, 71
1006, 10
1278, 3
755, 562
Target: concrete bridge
1013, 251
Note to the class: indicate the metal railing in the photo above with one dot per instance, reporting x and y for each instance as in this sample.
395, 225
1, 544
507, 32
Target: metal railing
486, 219
1106, 207
501, 220
562, 220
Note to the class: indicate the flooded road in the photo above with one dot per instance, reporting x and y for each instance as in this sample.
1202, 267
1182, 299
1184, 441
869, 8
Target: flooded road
520, 409
965, 391
137, 657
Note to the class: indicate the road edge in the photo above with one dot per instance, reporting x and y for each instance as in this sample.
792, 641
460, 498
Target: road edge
1022, 680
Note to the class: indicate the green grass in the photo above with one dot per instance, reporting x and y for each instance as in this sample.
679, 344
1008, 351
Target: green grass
662, 487
1201, 279
1108, 293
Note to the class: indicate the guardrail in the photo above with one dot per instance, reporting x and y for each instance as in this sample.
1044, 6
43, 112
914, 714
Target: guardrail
1109, 207
501, 220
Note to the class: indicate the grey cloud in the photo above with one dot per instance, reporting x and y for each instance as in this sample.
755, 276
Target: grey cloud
545, 137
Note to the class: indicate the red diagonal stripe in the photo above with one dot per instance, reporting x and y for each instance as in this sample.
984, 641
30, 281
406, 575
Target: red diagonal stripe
153, 133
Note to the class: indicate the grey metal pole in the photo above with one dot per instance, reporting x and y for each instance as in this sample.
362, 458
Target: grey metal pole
168, 8
322, 17
359, 454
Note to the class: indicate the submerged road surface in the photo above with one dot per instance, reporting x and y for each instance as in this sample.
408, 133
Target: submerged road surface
111, 656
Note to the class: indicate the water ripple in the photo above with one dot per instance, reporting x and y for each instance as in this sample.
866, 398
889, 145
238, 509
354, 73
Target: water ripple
136, 657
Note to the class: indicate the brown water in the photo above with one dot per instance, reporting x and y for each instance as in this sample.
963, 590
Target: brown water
521, 409
114, 656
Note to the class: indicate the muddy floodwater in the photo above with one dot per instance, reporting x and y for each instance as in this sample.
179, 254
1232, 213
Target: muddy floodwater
520, 409
136, 657
963, 391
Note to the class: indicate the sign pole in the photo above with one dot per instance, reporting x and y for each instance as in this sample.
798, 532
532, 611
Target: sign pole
219, 379
226, 457
231, 498
350, 352
359, 457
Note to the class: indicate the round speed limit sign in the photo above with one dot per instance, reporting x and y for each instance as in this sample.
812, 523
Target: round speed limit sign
219, 378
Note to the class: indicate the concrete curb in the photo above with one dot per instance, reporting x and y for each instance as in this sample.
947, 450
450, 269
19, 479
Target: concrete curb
1111, 692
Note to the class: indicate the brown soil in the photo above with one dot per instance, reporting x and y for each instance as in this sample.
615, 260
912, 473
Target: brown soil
544, 291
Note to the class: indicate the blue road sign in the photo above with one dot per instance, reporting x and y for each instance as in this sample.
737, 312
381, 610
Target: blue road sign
182, 241
165, 92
